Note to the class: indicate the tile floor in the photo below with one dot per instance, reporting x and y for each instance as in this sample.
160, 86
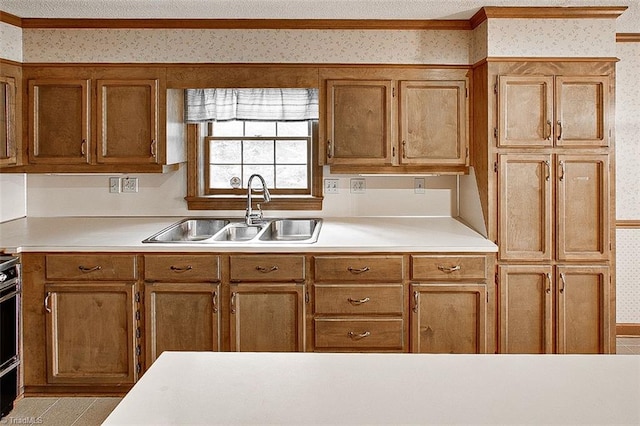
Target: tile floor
79, 411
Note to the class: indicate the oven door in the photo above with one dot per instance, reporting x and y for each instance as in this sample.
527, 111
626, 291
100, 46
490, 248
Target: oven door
9, 343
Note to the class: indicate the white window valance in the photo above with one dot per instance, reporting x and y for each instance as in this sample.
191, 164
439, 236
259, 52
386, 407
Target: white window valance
204, 105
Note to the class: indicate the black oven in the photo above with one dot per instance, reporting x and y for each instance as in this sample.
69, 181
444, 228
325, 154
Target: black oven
9, 327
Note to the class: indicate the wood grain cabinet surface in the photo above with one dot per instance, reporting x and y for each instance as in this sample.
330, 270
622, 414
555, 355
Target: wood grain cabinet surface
8, 135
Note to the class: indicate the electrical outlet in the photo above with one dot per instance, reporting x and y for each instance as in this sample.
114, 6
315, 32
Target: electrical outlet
418, 185
331, 186
358, 186
130, 184
114, 185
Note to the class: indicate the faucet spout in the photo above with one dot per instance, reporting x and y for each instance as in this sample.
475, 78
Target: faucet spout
254, 219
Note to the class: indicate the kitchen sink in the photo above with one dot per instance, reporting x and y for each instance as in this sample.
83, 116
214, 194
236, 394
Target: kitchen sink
235, 230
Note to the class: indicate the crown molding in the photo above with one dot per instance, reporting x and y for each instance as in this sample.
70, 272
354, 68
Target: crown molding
628, 37
10, 19
495, 12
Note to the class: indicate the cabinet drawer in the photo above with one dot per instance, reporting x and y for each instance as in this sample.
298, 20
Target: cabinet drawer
172, 268
91, 267
448, 267
358, 299
267, 268
355, 333
358, 268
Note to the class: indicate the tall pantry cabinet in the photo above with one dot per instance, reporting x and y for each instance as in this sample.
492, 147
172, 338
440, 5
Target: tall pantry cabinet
543, 154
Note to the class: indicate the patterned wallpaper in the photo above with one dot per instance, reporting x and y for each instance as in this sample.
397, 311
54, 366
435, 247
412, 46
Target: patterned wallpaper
552, 37
627, 273
10, 42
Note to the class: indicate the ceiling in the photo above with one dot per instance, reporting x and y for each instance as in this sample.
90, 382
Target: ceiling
292, 9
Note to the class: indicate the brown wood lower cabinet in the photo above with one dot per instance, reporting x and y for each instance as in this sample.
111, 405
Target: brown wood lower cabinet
449, 318
90, 333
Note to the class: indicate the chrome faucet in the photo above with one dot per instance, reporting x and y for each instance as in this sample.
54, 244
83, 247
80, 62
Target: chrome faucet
254, 219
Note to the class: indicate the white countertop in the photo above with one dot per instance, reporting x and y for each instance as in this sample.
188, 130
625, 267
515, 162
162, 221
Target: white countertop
228, 388
388, 234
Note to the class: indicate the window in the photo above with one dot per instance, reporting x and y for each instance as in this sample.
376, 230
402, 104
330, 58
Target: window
240, 132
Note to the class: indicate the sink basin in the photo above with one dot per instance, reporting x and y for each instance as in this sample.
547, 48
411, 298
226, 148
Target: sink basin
237, 232
291, 230
232, 230
189, 230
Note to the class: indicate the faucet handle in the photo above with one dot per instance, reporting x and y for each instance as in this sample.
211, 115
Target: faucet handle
259, 210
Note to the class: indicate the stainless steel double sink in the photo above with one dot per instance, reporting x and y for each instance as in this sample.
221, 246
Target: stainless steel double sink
227, 230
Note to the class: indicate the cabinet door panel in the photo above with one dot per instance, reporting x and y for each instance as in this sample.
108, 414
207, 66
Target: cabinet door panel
525, 110
359, 122
8, 147
181, 317
526, 311
583, 309
524, 206
448, 318
583, 207
90, 333
267, 318
127, 121
433, 122
581, 111
59, 121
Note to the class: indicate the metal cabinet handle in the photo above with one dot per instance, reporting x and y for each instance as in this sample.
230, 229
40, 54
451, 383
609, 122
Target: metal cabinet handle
559, 130
548, 283
233, 302
46, 302
358, 301
449, 269
266, 270
358, 270
404, 149
549, 127
561, 170
153, 147
180, 269
358, 336
548, 166
214, 302
83, 147
86, 269
563, 282
329, 149
416, 295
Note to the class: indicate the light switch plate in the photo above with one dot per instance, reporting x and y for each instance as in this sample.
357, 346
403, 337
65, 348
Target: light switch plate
114, 185
331, 186
418, 185
358, 186
130, 184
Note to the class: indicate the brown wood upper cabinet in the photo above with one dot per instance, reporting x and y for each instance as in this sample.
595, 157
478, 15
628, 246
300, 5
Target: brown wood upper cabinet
396, 123
8, 147
543, 110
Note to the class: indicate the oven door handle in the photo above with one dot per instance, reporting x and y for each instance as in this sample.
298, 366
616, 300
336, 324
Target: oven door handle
9, 296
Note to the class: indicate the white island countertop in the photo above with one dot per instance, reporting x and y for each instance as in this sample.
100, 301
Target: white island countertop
205, 388
367, 234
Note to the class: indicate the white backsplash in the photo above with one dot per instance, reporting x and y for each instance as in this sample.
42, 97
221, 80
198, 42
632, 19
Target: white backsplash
13, 195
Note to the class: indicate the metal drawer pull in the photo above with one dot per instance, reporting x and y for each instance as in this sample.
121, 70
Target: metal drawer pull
358, 301
266, 270
415, 301
559, 129
448, 269
214, 301
358, 270
563, 281
549, 134
233, 302
548, 283
85, 269
181, 269
46, 302
358, 336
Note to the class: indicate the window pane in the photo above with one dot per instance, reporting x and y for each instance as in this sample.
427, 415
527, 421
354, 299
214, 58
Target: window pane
226, 152
260, 128
265, 171
228, 128
293, 128
291, 152
292, 176
258, 152
220, 175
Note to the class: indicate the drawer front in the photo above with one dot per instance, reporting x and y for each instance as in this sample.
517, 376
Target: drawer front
172, 268
448, 267
358, 299
359, 334
358, 268
267, 268
91, 267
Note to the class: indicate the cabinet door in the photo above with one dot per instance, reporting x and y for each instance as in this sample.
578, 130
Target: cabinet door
449, 318
359, 122
127, 121
583, 309
524, 207
583, 207
181, 317
433, 122
525, 110
582, 111
90, 333
7, 121
267, 318
59, 127
526, 310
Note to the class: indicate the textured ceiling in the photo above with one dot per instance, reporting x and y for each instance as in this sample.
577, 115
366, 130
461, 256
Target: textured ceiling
290, 9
